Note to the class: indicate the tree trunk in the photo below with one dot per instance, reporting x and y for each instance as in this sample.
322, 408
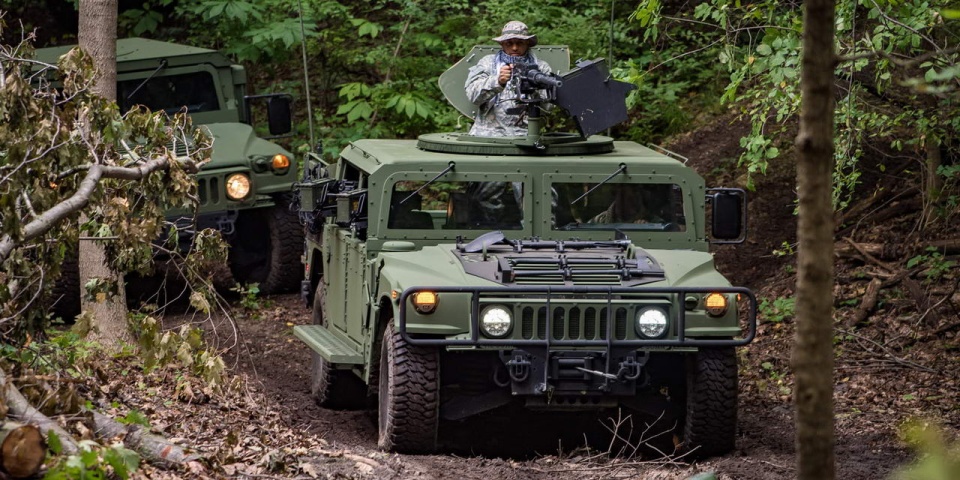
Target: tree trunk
21, 409
98, 37
22, 450
154, 448
813, 351
932, 184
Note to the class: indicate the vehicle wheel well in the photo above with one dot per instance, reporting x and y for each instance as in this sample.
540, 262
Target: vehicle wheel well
385, 316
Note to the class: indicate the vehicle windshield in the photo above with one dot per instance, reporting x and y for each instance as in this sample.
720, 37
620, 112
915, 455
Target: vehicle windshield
456, 205
618, 206
170, 93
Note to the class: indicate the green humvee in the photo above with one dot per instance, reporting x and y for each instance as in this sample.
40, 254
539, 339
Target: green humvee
244, 190
453, 275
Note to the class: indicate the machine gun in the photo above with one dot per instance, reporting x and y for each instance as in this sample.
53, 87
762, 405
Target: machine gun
529, 79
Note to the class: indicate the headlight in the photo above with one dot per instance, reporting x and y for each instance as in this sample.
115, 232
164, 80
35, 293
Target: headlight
651, 322
238, 186
425, 302
495, 321
716, 304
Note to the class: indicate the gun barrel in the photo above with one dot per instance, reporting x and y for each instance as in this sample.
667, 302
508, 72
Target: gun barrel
544, 80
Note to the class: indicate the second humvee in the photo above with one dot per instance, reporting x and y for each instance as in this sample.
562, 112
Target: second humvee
244, 191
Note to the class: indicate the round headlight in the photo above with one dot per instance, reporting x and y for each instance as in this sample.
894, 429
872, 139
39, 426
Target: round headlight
651, 322
238, 186
495, 321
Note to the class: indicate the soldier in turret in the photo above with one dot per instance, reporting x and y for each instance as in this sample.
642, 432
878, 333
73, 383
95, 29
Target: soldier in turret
489, 87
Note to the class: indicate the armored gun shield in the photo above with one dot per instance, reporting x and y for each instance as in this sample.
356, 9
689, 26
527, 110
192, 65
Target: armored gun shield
452, 80
592, 98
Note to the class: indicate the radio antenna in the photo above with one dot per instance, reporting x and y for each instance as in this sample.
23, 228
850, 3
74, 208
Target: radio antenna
306, 76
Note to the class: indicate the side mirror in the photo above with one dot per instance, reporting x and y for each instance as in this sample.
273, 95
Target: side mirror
278, 115
728, 222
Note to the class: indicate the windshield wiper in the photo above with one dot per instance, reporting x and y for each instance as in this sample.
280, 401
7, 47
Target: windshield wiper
163, 64
622, 169
425, 185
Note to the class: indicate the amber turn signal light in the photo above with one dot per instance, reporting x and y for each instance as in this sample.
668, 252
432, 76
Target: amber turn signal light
425, 302
716, 304
280, 162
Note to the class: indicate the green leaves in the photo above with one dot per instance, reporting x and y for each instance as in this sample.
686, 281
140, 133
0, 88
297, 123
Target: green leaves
410, 104
95, 462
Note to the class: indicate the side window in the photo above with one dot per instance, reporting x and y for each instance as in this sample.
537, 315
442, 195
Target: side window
623, 206
456, 205
194, 91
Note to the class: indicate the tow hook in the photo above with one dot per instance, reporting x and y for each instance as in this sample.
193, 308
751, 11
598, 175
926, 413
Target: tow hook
629, 369
519, 368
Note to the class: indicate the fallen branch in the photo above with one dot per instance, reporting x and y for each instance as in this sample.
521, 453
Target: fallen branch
869, 302
154, 448
20, 409
887, 355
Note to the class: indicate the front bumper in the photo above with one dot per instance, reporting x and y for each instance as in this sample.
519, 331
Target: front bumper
610, 360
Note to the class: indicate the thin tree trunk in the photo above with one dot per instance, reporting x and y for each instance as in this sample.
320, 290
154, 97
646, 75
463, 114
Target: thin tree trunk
98, 37
813, 352
932, 184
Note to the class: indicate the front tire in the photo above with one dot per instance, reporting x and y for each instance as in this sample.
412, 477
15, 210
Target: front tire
409, 395
710, 425
330, 387
266, 247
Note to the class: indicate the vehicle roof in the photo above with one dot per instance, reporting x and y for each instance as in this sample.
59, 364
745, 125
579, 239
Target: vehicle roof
144, 49
371, 155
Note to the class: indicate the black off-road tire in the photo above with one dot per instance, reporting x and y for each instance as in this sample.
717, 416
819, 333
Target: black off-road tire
330, 387
409, 395
266, 248
710, 425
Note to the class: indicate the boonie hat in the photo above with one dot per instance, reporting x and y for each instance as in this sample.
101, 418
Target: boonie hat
515, 29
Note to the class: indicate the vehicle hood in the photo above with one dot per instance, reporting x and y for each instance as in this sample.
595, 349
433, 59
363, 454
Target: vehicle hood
234, 144
535, 262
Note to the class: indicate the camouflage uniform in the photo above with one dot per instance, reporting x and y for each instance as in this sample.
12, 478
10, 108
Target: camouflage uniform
493, 100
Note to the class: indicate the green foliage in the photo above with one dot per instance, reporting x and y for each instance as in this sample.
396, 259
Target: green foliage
934, 264
938, 458
778, 309
134, 417
94, 462
882, 97
248, 296
184, 348
55, 140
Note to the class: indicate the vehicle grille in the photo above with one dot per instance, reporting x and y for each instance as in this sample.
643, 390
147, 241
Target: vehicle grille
572, 323
208, 190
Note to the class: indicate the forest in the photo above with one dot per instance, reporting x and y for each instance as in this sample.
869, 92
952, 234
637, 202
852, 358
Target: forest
202, 376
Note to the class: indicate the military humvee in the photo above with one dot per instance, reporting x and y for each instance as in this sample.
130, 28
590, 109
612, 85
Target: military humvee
244, 190
453, 275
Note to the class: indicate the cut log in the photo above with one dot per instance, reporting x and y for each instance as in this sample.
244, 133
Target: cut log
20, 409
153, 448
22, 449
